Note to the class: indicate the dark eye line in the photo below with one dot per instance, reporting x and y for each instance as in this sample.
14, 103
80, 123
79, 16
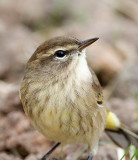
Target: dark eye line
68, 52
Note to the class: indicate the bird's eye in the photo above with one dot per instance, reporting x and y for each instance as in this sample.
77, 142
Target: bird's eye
60, 54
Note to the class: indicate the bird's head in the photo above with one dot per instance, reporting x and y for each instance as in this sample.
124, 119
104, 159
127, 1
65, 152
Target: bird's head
58, 55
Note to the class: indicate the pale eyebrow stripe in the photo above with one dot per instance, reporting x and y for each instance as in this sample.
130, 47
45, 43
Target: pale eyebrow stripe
53, 50
64, 48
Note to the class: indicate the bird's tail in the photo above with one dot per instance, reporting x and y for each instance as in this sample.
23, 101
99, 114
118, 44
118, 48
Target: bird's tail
118, 133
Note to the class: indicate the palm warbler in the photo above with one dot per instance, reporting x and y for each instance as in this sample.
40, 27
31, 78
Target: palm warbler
63, 98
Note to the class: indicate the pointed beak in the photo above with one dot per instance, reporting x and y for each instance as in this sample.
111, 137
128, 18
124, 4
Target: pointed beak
86, 43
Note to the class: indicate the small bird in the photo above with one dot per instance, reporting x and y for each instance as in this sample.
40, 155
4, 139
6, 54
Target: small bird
63, 98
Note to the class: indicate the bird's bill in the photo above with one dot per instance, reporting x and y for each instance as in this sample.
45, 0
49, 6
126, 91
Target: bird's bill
86, 43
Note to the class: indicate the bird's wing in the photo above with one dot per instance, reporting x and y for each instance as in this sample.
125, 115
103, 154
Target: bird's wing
97, 88
114, 129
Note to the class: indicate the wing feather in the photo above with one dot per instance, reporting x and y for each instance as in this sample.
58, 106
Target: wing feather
97, 88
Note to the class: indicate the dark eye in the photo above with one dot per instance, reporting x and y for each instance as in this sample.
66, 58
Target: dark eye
60, 53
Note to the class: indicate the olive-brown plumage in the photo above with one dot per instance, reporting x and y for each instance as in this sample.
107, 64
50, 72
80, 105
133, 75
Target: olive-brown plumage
62, 96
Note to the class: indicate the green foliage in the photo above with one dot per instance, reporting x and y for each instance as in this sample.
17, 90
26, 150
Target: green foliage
126, 151
135, 154
16, 153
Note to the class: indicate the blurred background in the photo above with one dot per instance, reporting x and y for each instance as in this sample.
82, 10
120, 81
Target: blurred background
24, 25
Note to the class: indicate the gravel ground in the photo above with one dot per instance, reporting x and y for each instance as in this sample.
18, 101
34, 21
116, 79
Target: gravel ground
114, 58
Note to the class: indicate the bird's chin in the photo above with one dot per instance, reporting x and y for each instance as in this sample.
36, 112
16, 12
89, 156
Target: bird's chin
82, 54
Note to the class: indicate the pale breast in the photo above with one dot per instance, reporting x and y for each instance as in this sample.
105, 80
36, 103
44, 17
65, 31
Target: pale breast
65, 111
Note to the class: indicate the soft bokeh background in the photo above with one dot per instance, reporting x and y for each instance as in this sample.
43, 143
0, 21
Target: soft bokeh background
24, 24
